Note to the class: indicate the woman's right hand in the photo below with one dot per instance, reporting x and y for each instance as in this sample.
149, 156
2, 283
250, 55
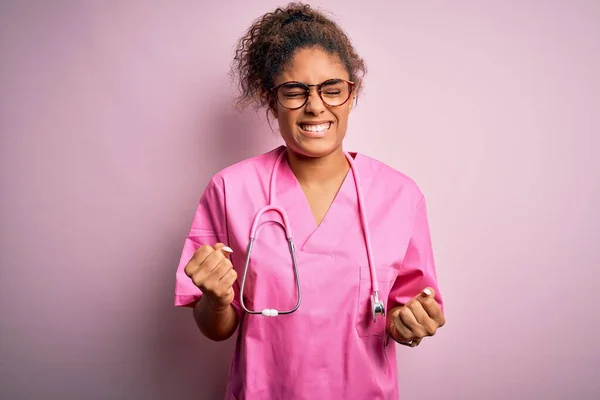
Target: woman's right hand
211, 270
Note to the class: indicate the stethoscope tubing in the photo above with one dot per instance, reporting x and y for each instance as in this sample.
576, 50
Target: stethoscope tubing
377, 305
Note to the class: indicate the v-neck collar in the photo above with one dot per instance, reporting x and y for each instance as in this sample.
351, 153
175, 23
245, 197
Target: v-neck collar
343, 211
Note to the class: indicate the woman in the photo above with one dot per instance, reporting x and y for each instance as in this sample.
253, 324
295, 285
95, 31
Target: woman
302, 67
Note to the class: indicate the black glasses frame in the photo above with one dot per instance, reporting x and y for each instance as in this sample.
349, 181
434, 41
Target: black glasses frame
319, 87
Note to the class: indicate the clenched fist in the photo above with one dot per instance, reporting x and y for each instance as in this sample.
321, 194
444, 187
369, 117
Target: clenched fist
211, 270
420, 317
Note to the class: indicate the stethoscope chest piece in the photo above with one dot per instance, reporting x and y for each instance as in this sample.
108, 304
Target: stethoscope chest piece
377, 306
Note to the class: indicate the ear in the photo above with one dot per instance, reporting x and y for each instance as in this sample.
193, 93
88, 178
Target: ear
352, 103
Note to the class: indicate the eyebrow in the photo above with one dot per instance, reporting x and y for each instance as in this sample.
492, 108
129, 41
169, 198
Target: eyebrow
298, 83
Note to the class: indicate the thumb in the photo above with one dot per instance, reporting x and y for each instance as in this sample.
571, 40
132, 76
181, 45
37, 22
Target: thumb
226, 250
428, 292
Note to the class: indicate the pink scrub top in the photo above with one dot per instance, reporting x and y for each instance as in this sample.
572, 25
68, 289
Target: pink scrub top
330, 348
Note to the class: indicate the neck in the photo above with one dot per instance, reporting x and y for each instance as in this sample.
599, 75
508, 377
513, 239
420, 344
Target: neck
319, 170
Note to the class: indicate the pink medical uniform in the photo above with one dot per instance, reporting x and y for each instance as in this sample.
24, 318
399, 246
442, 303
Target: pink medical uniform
330, 348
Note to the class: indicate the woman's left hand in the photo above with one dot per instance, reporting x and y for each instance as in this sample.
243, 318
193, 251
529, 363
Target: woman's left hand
420, 317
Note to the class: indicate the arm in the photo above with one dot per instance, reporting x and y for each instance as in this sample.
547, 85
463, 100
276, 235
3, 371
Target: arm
414, 312
215, 324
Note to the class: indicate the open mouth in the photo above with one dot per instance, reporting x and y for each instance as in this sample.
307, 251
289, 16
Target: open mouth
316, 128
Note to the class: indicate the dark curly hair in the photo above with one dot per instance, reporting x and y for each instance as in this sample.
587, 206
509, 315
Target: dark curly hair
271, 42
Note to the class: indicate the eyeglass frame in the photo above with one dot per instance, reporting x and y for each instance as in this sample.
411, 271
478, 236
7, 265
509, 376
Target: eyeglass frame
275, 89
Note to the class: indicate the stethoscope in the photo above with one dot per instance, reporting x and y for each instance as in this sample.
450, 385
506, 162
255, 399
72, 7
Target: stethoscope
377, 305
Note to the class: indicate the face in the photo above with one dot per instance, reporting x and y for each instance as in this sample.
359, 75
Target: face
315, 129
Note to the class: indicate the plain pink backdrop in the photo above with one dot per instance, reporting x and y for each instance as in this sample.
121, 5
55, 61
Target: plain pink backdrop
114, 114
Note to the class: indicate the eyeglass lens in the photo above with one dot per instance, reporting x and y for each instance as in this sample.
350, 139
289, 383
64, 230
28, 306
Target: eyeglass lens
333, 93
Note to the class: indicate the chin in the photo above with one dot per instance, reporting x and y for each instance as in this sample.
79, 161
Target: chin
314, 148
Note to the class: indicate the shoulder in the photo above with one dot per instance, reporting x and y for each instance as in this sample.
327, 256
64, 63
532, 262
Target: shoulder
387, 180
246, 170
382, 172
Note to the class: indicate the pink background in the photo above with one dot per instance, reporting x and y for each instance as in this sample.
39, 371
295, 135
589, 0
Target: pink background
114, 115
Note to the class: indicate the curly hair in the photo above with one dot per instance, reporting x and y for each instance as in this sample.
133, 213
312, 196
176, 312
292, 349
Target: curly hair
272, 40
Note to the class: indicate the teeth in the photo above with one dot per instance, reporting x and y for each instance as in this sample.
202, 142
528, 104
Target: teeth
316, 128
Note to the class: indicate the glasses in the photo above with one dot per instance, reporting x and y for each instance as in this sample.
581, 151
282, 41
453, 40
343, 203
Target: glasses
294, 95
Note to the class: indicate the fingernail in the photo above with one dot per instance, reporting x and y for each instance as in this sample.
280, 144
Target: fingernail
227, 249
427, 292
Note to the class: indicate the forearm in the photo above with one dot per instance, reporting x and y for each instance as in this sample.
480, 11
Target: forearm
216, 325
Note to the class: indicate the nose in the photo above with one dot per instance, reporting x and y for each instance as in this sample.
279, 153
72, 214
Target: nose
314, 104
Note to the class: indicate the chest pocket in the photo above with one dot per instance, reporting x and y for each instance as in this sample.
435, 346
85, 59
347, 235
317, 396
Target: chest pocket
364, 316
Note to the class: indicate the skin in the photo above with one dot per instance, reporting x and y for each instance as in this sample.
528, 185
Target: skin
211, 270
313, 66
420, 317
320, 166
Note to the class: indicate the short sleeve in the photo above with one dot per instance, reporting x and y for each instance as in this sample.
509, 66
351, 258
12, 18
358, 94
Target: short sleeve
418, 268
208, 227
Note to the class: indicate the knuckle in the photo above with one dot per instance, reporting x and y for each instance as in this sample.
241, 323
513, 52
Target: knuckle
201, 253
204, 249
233, 274
429, 301
430, 328
420, 332
197, 279
405, 312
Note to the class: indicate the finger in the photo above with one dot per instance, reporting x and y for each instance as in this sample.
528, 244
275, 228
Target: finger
197, 259
228, 280
201, 276
202, 253
428, 292
213, 260
225, 249
220, 270
209, 255
431, 306
418, 311
433, 310
399, 338
217, 284
406, 323
415, 342
427, 326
